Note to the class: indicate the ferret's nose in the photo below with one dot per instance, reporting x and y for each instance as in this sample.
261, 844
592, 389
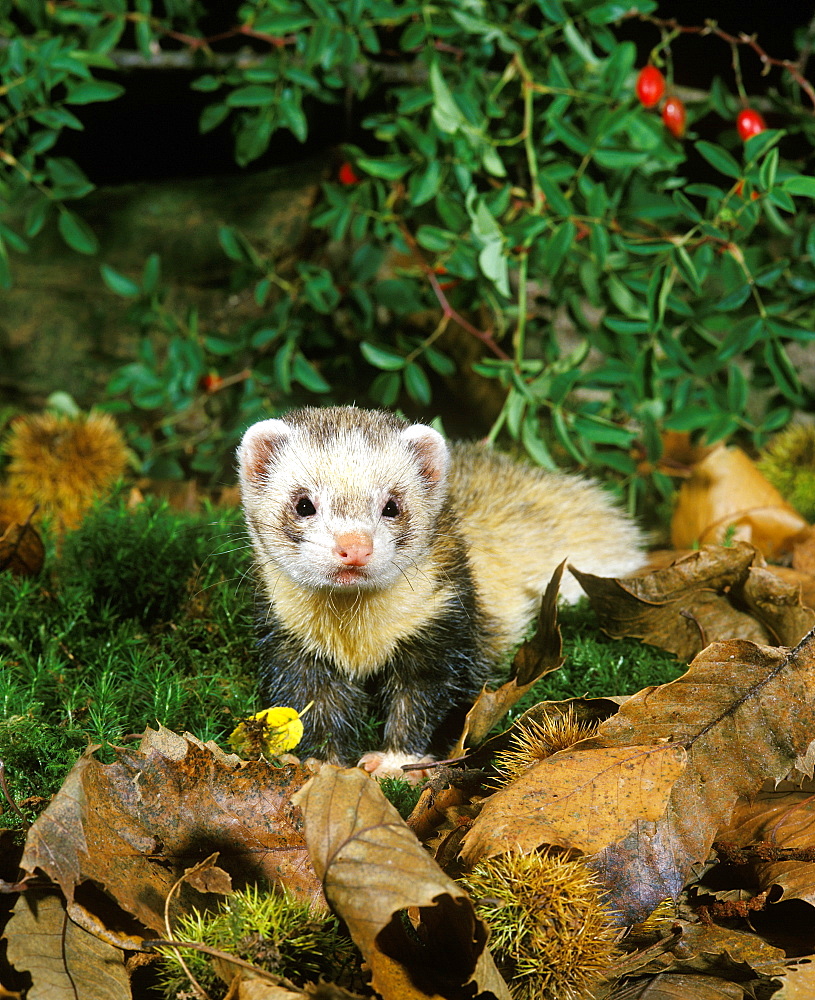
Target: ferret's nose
354, 548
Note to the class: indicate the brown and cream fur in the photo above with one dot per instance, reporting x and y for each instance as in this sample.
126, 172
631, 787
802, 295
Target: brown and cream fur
396, 572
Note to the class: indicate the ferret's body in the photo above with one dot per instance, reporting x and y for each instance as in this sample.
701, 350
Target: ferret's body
396, 573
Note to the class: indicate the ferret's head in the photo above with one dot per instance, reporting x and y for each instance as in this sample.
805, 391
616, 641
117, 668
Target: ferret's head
340, 497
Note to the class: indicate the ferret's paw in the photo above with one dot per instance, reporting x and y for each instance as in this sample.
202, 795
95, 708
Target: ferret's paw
386, 764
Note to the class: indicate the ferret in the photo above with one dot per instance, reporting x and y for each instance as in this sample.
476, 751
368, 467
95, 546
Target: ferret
396, 572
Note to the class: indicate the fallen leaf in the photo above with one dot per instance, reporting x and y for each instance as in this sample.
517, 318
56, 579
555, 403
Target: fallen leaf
726, 494
709, 949
64, 961
374, 872
678, 987
799, 982
743, 713
582, 799
681, 608
777, 820
134, 826
21, 549
714, 594
777, 605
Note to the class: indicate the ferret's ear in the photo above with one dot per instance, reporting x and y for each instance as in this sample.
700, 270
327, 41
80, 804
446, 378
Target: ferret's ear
257, 449
431, 450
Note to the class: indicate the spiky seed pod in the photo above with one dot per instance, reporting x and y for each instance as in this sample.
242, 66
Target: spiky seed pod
536, 740
551, 936
64, 463
788, 462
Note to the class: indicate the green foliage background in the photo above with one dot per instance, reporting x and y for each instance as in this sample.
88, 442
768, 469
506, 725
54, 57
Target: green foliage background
510, 182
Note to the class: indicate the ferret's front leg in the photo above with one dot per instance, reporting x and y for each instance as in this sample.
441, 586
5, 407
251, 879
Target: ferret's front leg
339, 707
426, 705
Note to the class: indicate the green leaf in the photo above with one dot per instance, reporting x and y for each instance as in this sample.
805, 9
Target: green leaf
212, 116
424, 184
379, 357
417, 384
804, 186
434, 239
151, 273
719, 158
494, 265
76, 232
91, 91
385, 388
255, 95
447, 115
768, 170
307, 375
231, 244
390, 168
118, 283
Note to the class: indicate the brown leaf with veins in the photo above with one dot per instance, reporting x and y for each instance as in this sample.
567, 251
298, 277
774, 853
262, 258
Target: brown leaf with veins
743, 713
64, 960
678, 987
583, 799
135, 826
707, 948
416, 928
714, 594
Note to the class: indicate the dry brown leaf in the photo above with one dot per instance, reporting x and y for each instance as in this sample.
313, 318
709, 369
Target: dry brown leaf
798, 982
780, 819
727, 492
373, 870
801, 579
706, 596
64, 961
21, 549
136, 825
256, 989
679, 987
538, 656
709, 949
777, 605
578, 798
744, 713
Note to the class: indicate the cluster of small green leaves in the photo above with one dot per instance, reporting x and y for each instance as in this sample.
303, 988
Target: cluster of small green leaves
511, 184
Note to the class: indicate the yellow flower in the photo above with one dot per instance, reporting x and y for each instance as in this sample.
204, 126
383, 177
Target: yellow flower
271, 732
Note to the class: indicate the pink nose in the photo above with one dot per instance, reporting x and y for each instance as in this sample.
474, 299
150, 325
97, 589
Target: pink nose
354, 549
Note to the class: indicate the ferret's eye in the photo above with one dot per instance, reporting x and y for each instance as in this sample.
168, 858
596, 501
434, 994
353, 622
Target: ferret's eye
304, 507
391, 509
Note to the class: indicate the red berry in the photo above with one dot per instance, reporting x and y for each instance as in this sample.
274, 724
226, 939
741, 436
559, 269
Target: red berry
749, 123
650, 86
347, 175
673, 116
